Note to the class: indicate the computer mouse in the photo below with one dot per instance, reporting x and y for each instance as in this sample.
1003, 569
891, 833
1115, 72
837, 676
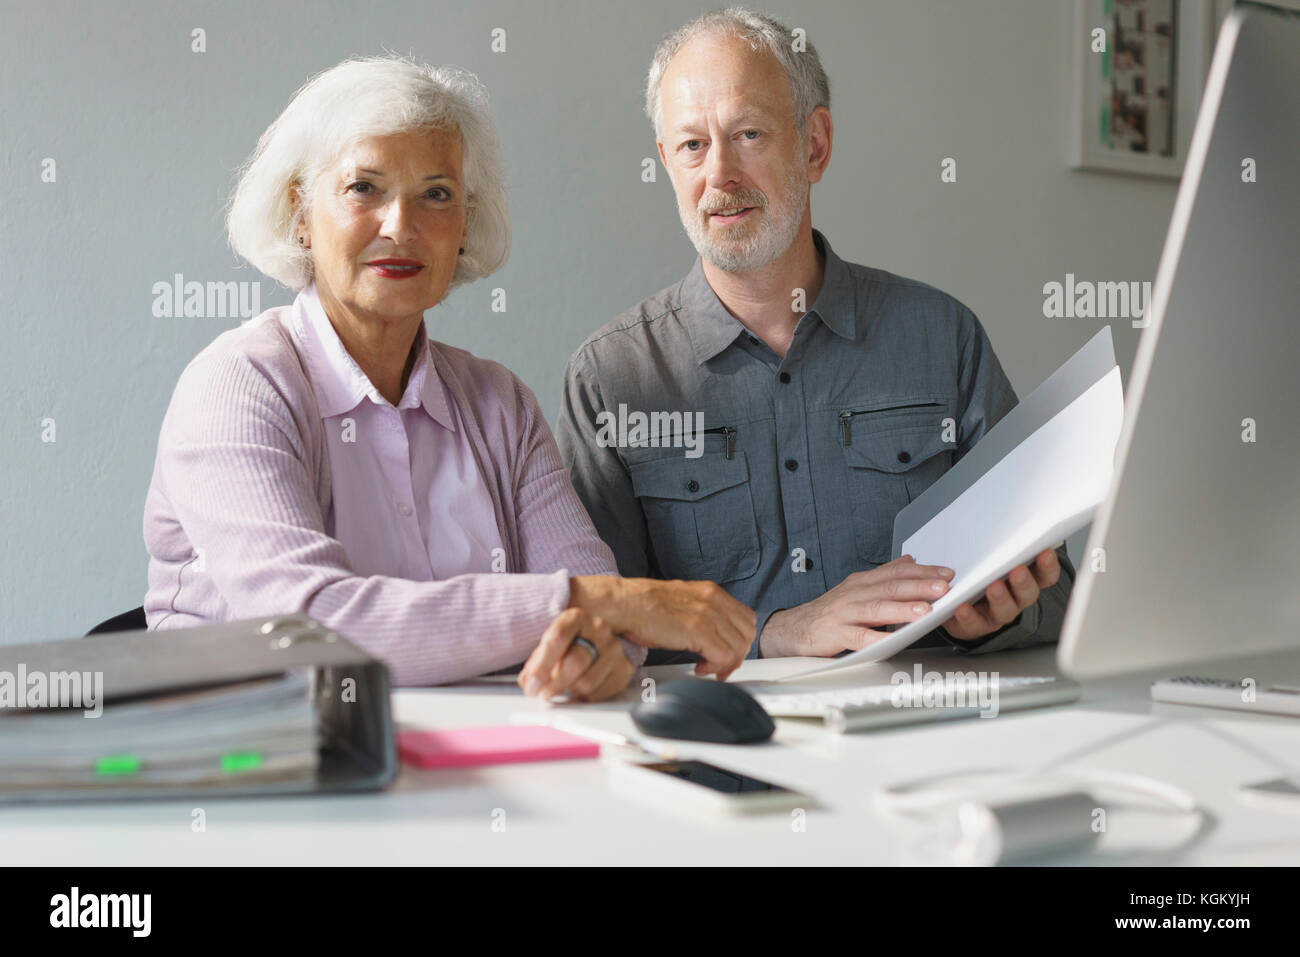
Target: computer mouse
698, 709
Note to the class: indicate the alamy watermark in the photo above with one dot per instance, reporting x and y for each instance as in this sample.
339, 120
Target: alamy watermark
1084, 299
948, 689
211, 300
654, 430
53, 689
75, 909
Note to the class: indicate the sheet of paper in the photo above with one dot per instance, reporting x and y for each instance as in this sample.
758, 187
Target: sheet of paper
1075, 376
1044, 489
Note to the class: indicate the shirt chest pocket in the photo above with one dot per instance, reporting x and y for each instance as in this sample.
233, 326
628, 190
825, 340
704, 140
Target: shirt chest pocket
892, 454
700, 515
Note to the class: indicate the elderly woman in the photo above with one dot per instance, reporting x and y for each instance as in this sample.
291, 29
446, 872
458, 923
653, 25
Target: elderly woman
328, 457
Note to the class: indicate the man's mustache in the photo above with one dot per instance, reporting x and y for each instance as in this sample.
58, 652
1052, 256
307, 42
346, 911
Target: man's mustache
712, 204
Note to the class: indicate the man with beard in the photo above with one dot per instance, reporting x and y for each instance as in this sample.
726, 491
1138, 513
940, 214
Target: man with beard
831, 394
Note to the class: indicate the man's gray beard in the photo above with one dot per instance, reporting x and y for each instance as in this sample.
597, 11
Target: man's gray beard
772, 238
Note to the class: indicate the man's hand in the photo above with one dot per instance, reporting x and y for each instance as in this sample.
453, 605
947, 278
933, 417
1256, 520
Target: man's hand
843, 618
677, 615
1004, 600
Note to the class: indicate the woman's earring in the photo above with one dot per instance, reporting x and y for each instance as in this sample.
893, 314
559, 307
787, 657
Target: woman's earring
462, 250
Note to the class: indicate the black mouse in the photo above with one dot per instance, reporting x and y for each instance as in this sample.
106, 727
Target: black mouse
696, 709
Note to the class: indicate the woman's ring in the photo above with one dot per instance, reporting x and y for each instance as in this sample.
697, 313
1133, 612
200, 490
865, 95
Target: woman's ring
589, 645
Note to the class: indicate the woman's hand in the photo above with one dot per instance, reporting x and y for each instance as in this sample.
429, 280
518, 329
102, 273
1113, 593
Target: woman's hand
557, 664
678, 615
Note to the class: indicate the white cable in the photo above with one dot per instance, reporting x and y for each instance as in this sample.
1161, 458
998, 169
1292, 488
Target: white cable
914, 796
1045, 822
905, 799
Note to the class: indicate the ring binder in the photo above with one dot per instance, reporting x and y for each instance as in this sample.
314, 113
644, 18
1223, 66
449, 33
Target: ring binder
356, 744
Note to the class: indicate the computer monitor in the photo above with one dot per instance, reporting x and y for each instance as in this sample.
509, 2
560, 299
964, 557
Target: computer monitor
1200, 531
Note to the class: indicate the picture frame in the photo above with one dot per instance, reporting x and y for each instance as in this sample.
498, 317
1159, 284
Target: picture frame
1135, 101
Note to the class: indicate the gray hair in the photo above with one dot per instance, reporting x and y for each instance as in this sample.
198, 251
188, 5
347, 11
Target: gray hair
809, 85
361, 97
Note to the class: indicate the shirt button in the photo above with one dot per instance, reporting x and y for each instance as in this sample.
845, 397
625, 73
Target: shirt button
785, 378
692, 486
791, 464
904, 457
404, 509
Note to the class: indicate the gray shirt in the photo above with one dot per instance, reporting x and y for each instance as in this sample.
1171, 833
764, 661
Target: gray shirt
802, 463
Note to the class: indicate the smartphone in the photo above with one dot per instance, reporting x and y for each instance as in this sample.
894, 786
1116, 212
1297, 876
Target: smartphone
698, 785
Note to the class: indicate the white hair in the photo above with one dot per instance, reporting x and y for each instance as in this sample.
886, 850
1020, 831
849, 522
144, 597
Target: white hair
361, 97
809, 85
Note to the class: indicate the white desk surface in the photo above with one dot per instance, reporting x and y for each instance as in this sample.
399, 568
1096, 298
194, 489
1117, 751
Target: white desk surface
567, 813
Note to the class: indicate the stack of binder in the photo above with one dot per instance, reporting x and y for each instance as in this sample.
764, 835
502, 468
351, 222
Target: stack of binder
257, 706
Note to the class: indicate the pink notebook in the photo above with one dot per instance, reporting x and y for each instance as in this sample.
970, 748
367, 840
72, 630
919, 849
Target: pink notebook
498, 744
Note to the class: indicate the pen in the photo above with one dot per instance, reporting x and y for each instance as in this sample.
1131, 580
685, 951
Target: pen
596, 734
613, 738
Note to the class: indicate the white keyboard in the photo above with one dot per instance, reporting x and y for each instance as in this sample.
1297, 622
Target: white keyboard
1225, 693
854, 709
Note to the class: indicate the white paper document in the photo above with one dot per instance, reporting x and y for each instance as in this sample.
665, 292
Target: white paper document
1034, 479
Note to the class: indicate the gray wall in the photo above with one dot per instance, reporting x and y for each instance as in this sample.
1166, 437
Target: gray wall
146, 135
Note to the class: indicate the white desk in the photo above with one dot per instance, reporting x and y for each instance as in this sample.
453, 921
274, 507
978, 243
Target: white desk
566, 812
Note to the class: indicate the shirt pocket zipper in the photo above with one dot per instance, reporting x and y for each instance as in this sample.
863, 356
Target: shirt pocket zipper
846, 417
729, 432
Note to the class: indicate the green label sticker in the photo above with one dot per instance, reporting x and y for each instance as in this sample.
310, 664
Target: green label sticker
117, 764
241, 761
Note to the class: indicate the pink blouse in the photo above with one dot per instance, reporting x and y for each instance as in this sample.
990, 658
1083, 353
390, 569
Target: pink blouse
439, 535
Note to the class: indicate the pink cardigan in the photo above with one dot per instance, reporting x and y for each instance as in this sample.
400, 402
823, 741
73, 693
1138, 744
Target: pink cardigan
234, 520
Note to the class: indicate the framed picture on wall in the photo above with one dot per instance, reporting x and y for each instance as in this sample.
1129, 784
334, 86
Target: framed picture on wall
1139, 68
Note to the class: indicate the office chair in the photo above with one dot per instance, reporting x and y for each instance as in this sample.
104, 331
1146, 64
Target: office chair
132, 620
